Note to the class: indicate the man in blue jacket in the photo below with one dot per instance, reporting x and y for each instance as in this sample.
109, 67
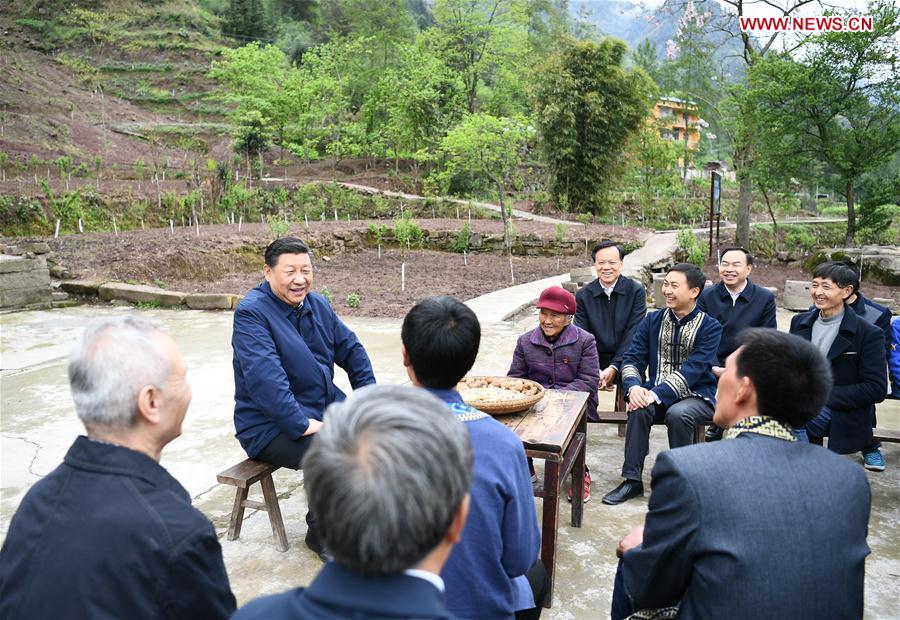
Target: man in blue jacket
389, 472
110, 533
676, 347
286, 341
494, 573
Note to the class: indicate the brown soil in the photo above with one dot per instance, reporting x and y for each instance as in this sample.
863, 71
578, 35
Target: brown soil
225, 261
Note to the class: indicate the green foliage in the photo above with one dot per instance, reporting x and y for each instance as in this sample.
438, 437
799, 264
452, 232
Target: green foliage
246, 19
352, 300
694, 252
278, 228
485, 43
408, 234
838, 106
461, 239
559, 235
327, 295
587, 107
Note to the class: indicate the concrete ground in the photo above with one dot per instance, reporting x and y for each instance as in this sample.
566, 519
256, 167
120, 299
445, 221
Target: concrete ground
37, 425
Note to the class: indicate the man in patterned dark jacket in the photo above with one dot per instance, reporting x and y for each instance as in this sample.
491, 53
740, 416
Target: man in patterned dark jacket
677, 346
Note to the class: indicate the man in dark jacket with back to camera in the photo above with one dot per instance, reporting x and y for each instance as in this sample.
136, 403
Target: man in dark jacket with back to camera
756, 525
286, 341
110, 533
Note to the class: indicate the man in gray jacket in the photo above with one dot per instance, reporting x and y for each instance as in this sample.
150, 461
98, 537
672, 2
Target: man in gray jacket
773, 528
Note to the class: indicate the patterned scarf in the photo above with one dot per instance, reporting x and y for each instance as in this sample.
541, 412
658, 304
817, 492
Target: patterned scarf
761, 425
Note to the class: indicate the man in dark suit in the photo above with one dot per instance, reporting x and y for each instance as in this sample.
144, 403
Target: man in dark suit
737, 303
855, 349
757, 525
610, 308
389, 475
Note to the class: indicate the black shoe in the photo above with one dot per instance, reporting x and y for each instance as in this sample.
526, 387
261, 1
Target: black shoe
624, 492
713, 433
316, 545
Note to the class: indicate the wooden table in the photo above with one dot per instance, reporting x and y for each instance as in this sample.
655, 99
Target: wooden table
555, 429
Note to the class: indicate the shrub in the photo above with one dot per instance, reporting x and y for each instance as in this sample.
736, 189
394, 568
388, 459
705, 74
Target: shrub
352, 300
693, 250
461, 240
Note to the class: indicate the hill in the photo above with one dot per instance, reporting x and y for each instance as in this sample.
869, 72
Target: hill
120, 87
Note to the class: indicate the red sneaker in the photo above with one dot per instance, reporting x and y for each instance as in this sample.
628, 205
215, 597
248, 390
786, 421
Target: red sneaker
587, 488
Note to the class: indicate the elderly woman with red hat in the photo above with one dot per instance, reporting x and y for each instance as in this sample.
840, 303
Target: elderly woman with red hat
558, 354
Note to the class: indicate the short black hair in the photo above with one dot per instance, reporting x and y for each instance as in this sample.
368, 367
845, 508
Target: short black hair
285, 245
855, 269
791, 376
695, 277
606, 243
737, 248
441, 336
838, 272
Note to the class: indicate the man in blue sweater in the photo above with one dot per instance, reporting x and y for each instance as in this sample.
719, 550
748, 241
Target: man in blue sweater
286, 341
494, 572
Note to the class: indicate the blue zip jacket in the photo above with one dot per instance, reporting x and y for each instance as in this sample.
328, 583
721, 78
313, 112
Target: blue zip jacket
282, 379
485, 573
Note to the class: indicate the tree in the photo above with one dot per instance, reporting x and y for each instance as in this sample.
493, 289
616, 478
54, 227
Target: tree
753, 50
688, 70
246, 19
252, 139
646, 57
413, 104
840, 105
587, 106
259, 79
490, 147
483, 40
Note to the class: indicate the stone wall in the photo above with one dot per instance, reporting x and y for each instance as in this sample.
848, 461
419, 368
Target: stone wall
24, 276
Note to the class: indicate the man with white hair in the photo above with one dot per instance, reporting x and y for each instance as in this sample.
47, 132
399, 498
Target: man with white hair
110, 533
389, 472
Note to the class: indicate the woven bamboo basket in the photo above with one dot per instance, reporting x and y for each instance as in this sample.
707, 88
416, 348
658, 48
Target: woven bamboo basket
494, 407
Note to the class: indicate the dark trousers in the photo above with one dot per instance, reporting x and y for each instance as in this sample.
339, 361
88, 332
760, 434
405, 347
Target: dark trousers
680, 419
540, 584
622, 605
286, 452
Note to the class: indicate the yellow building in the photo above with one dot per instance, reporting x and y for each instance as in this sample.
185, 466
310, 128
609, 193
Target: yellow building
669, 114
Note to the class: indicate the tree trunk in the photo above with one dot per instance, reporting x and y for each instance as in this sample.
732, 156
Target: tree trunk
507, 243
745, 195
851, 217
772, 215
684, 164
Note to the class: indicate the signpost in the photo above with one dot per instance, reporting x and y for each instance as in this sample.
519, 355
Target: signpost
715, 208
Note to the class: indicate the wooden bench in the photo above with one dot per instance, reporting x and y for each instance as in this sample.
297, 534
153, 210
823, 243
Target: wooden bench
886, 435
620, 417
244, 475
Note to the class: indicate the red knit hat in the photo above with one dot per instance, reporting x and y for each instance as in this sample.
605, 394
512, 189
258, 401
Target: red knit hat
558, 299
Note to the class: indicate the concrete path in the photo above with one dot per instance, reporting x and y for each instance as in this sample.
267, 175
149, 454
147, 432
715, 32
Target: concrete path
500, 305
525, 215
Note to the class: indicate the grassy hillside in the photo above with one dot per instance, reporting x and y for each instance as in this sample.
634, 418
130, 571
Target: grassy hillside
108, 83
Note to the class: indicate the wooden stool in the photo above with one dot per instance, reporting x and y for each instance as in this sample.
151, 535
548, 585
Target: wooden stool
243, 476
